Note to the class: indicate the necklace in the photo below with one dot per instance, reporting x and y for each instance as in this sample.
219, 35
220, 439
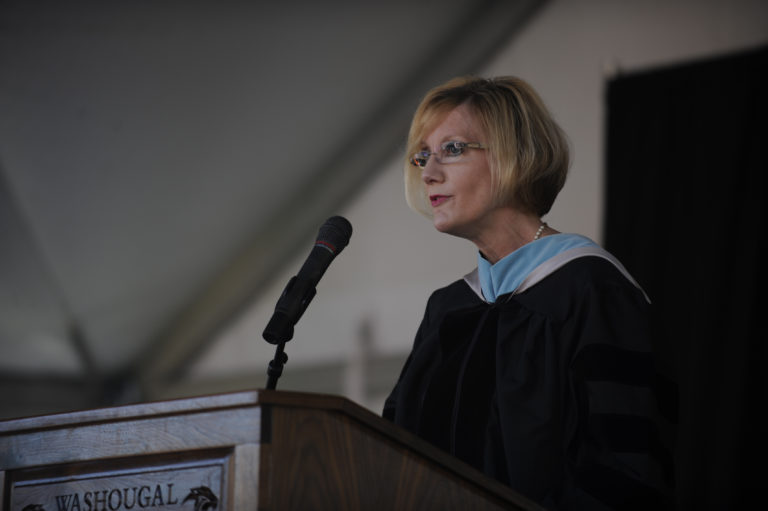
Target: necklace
541, 229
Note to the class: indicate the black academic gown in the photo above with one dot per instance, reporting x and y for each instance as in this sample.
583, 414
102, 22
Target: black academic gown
552, 391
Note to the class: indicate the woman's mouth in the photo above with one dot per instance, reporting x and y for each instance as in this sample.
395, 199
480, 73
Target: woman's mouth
436, 200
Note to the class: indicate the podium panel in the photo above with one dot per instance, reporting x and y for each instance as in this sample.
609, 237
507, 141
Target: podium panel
240, 451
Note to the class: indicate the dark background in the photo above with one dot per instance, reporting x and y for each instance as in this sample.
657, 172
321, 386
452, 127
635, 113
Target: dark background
685, 213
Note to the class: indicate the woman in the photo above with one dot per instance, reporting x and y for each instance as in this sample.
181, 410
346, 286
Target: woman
536, 368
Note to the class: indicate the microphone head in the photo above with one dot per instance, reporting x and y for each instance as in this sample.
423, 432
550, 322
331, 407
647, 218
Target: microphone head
334, 234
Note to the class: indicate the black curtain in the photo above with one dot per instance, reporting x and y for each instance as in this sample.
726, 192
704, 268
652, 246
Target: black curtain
685, 211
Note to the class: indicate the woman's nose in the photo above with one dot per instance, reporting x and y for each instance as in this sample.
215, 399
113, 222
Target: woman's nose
432, 172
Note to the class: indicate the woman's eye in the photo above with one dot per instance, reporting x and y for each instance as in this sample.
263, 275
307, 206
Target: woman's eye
454, 148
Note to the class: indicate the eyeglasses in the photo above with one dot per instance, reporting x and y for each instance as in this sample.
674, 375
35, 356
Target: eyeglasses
449, 152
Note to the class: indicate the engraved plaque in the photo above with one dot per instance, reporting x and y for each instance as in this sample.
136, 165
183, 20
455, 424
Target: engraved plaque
192, 485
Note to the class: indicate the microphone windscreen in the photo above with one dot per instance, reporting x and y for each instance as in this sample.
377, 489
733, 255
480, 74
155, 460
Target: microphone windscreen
334, 234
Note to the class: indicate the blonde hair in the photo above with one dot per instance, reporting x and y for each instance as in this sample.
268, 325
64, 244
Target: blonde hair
528, 152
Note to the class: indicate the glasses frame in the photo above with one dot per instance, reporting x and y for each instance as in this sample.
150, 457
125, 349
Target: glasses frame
441, 154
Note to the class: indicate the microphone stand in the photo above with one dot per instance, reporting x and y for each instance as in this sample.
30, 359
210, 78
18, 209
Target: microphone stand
279, 330
275, 369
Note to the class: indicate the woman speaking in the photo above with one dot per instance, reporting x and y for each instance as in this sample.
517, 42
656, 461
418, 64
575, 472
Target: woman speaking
536, 368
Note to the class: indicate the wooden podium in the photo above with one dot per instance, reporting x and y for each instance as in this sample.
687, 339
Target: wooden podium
241, 451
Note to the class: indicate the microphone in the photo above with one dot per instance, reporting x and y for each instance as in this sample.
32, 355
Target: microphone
333, 236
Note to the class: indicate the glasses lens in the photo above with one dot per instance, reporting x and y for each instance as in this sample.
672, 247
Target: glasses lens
420, 159
452, 149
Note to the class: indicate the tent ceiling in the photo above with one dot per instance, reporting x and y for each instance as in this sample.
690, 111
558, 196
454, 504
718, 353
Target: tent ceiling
158, 160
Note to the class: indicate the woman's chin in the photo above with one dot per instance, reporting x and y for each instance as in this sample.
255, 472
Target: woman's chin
446, 227
441, 224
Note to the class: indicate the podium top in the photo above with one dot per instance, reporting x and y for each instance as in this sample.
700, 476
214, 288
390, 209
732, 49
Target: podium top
249, 418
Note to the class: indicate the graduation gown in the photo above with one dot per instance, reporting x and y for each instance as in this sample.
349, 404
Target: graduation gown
551, 390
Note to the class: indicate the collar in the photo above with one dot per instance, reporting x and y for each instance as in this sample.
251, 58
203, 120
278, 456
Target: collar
533, 262
509, 272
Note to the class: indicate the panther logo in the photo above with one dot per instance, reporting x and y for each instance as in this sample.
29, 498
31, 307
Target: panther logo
203, 498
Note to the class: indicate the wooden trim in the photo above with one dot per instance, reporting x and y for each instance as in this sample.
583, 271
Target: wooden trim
128, 412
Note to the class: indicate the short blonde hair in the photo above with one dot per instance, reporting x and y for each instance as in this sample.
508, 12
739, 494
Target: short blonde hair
527, 151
